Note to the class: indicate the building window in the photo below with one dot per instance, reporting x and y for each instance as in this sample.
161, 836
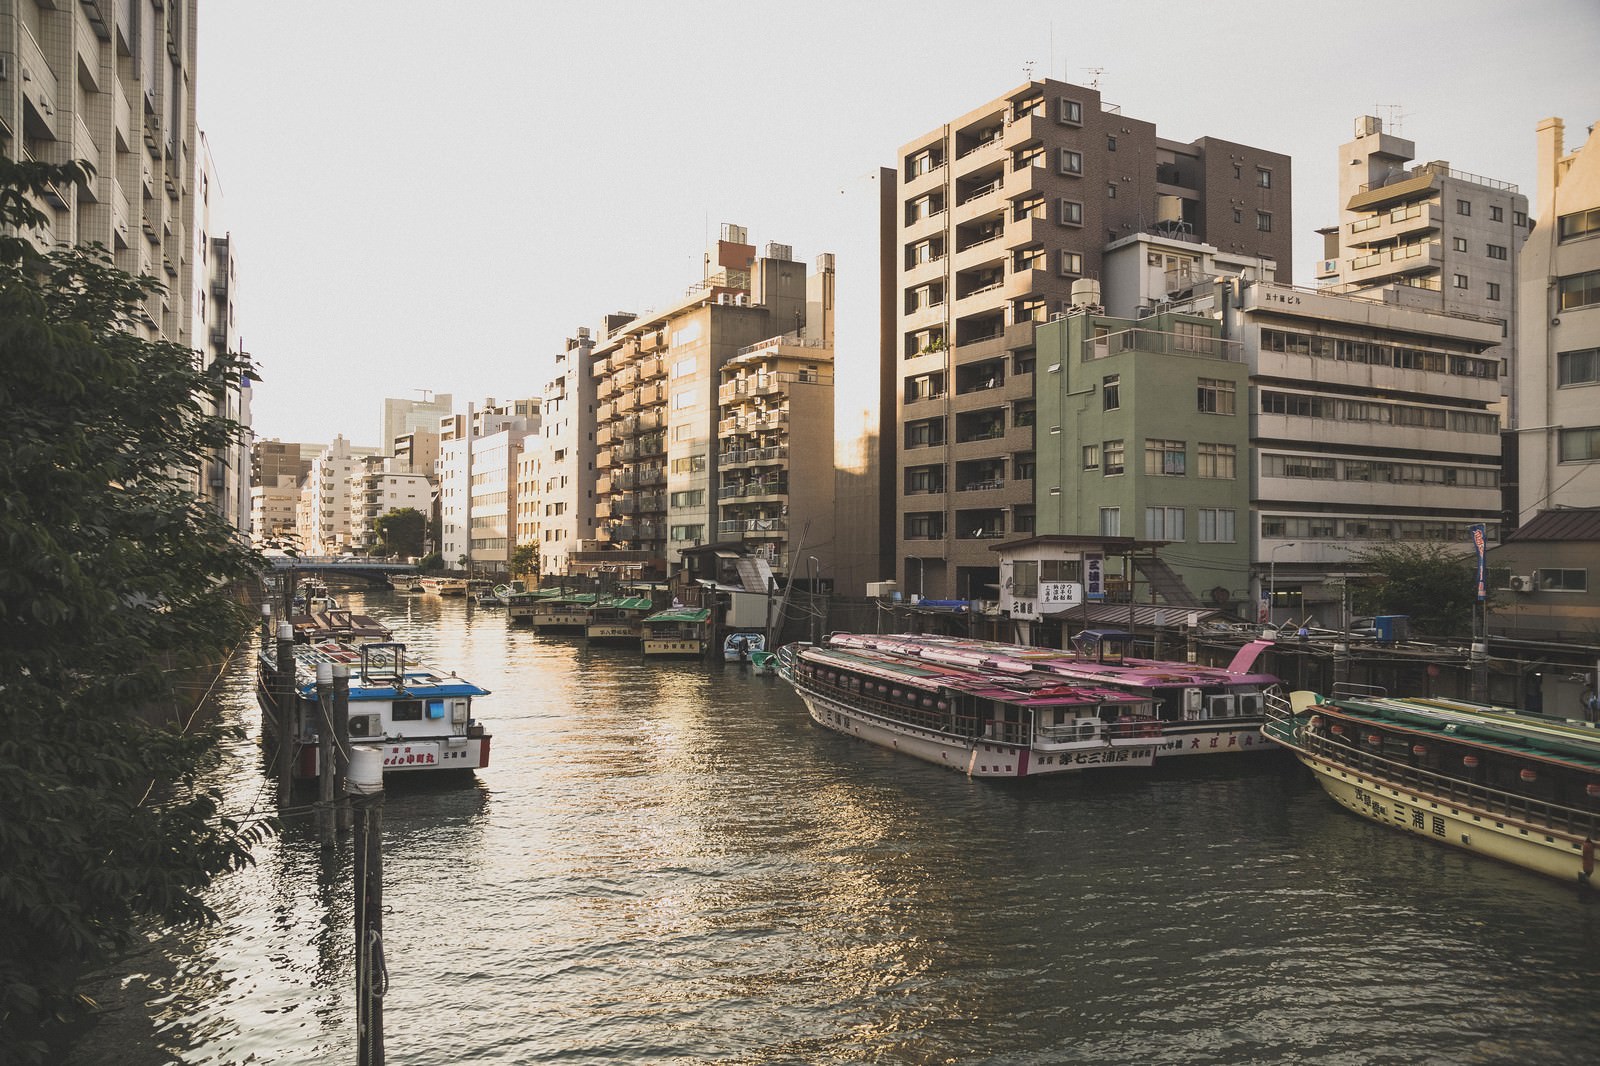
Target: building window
681, 400
1519, 218
1163, 523
1111, 392
1553, 580
1217, 460
1497, 251
1238, 216
1460, 281
1071, 111
1071, 162
1263, 178
1581, 367
1091, 457
1112, 451
1215, 525
1071, 213
1111, 144
689, 464
924, 526
1458, 244
1579, 290
1111, 521
1111, 190
1578, 224
1463, 207
1494, 290
1168, 458
1264, 221
1238, 171
692, 498
1216, 397
691, 533
683, 367
1496, 214
1071, 263
1580, 445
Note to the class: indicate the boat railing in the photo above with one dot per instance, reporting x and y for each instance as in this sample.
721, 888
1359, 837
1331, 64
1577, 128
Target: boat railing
1465, 794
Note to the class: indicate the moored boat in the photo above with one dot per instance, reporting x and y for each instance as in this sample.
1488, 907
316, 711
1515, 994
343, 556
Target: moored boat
1203, 710
406, 583
420, 718
677, 631
984, 722
617, 619
1518, 788
444, 586
560, 613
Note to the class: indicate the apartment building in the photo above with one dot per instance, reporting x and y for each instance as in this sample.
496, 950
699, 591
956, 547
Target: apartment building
1557, 426
114, 85
558, 512
401, 416
322, 513
378, 486
1445, 239
277, 470
658, 377
416, 451
477, 478
775, 420
997, 214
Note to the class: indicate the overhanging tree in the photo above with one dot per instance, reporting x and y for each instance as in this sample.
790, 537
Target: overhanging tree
113, 581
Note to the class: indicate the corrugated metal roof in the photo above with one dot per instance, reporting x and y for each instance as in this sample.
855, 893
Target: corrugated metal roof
1565, 523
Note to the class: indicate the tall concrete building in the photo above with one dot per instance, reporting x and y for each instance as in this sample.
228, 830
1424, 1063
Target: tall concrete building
477, 476
112, 84
322, 515
1557, 425
658, 377
996, 214
224, 478
559, 512
1438, 238
401, 416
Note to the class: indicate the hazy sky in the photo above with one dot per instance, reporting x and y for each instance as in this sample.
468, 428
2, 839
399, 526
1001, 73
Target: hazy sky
428, 195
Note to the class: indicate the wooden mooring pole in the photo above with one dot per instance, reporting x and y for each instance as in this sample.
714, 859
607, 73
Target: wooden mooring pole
285, 704
341, 743
372, 976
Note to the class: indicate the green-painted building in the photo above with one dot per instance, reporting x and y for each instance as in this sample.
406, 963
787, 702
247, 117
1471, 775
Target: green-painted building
1143, 432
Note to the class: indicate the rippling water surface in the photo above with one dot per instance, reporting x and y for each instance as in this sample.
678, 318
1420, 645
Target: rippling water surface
667, 863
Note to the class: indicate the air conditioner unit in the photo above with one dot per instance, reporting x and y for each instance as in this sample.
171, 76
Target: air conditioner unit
724, 298
1521, 583
366, 725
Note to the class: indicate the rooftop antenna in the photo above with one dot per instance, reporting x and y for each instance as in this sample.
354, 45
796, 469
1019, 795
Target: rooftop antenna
1027, 70
1094, 75
1393, 117
427, 394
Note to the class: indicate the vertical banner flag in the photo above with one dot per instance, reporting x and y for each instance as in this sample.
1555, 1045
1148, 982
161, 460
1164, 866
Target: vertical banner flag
1479, 548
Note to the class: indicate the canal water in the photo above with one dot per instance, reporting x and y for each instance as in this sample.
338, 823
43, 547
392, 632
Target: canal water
667, 863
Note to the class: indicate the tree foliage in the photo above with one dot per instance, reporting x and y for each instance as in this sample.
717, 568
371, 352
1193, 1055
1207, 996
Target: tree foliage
1433, 582
525, 561
400, 532
113, 580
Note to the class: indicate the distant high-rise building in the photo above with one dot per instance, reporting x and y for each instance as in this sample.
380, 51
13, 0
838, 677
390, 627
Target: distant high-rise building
402, 416
997, 214
557, 513
477, 468
1557, 422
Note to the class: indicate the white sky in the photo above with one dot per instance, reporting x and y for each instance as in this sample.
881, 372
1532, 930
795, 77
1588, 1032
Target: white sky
433, 195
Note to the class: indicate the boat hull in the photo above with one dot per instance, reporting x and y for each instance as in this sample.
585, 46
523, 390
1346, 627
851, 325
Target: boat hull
1185, 739
1496, 835
976, 758
674, 647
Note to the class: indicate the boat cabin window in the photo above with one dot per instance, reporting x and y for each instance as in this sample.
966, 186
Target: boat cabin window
435, 708
406, 711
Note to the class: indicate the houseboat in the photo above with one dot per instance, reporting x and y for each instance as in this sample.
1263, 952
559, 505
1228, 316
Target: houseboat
406, 584
617, 619
419, 718
1518, 788
678, 631
563, 613
1203, 710
444, 586
973, 718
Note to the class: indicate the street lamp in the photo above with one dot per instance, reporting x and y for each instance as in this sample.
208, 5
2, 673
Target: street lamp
1272, 578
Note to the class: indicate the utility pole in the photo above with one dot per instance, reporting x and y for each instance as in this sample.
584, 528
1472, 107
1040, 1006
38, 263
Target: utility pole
372, 976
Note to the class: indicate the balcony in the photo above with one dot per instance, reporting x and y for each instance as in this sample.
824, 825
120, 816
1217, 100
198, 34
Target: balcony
1395, 226
652, 367
627, 402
